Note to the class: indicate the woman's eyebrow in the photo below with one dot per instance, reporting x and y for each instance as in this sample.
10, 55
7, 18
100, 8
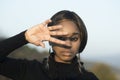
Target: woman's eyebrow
73, 34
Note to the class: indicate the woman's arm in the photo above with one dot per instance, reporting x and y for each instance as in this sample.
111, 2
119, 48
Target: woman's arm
36, 35
12, 43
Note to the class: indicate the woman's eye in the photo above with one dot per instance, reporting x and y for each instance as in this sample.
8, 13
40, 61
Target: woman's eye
74, 39
65, 38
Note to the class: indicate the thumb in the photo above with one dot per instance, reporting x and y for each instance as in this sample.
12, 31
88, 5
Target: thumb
42, 44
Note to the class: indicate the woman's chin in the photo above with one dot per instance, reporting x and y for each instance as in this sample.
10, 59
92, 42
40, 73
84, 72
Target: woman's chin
67, 59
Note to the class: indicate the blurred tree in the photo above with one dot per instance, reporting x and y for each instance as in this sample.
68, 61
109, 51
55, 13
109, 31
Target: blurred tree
1, 38
103, 72
26, 52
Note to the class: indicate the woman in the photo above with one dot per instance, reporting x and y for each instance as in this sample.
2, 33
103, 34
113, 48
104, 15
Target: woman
66, 34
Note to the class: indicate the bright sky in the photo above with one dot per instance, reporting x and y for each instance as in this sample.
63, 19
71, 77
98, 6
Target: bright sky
102, 19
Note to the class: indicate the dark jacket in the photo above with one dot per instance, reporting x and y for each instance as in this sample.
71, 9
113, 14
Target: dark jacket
34, 70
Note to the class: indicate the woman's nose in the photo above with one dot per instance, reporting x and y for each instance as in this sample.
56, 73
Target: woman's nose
69, 43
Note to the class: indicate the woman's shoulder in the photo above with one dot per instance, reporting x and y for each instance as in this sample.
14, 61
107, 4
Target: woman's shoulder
89, 75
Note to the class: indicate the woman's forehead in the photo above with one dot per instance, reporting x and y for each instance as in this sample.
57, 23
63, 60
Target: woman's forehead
70, 31
69, 26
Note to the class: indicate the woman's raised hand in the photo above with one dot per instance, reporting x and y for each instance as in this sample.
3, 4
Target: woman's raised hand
39, 33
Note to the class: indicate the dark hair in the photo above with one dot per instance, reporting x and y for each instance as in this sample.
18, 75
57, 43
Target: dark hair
72, 16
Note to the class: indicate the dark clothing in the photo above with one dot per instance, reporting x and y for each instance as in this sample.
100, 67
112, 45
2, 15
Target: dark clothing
34, 70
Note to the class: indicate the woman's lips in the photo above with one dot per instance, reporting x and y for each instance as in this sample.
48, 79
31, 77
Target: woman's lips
66, 53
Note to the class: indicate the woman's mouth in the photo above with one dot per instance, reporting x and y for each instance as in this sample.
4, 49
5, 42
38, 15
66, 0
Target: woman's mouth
66, 53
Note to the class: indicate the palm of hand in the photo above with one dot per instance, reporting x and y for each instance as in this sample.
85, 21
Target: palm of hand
39, 33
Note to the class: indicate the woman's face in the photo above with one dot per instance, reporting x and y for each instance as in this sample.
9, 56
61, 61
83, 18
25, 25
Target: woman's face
63, 53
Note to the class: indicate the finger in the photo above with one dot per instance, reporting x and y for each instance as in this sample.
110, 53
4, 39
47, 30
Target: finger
42, 44
54, 40
58, 33
56, 27
46, 22
37, 43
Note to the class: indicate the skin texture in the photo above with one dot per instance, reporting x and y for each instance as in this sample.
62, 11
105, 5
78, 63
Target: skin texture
65, 54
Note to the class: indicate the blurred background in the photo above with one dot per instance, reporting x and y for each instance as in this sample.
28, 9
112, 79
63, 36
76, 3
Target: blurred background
101, 17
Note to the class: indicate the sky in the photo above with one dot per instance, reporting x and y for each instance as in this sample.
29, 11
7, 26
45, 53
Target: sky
101, 17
